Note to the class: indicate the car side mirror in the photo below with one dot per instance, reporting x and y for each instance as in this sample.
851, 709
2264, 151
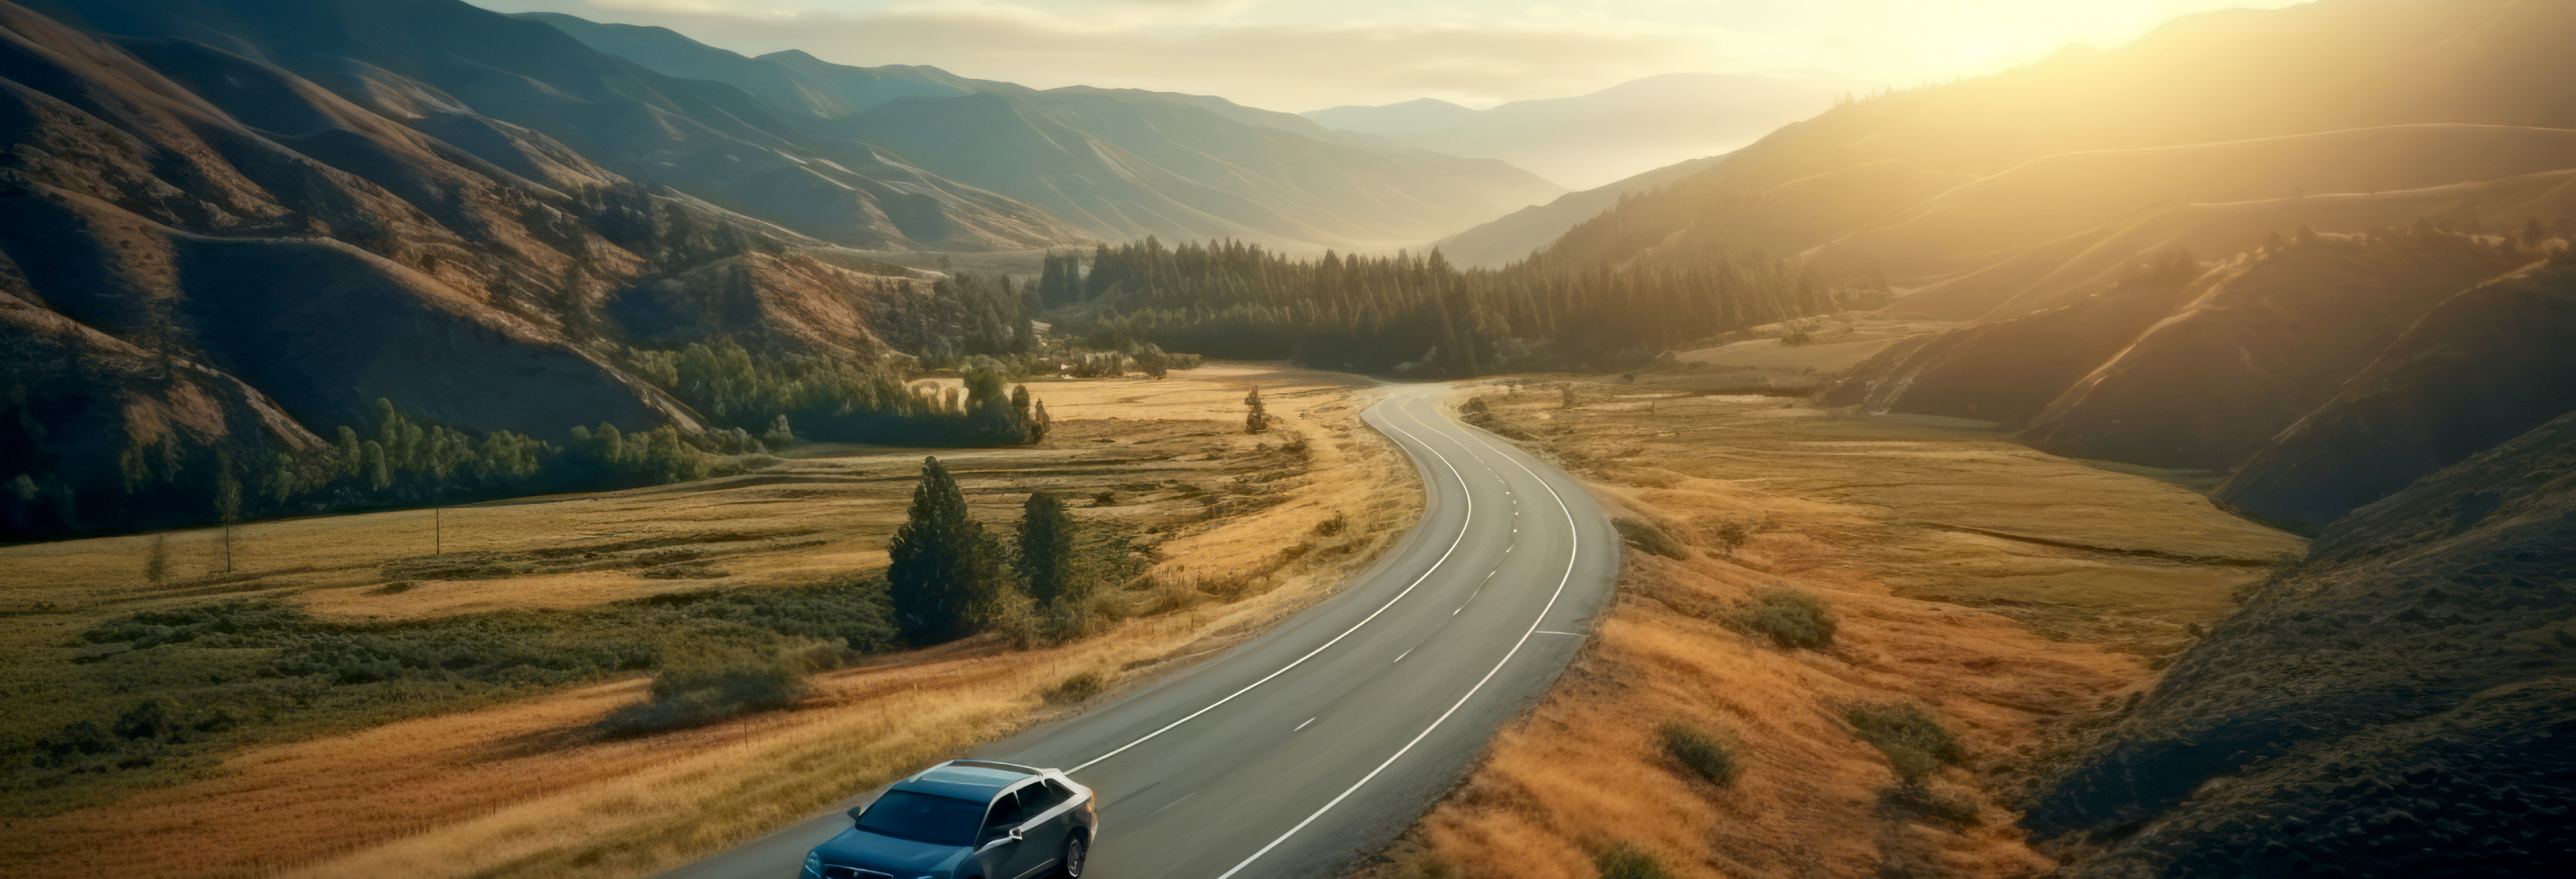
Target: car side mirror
855, 812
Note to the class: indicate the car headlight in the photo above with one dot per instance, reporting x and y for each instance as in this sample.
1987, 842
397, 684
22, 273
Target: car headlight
814, 863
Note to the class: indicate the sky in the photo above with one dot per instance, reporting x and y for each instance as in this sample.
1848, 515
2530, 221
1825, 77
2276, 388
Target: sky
1297, 55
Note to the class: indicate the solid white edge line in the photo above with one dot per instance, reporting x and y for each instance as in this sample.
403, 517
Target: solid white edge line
1464, 526
1574, 533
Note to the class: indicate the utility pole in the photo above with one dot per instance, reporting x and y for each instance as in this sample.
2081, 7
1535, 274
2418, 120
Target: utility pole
228, 544
438, 531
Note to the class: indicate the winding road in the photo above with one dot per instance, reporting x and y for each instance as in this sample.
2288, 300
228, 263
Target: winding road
1313, 745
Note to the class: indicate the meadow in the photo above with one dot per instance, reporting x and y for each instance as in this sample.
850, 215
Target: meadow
1841, 646
427, 691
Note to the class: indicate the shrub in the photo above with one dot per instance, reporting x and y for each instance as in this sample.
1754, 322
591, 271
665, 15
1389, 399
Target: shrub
1650, 538
1793, 619
1937, 801
1708, 755
1333, 526
1079, 686
693, 696
1624, 861
1104, 498
1914, 741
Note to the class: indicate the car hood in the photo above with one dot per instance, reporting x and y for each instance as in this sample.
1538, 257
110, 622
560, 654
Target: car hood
903, 858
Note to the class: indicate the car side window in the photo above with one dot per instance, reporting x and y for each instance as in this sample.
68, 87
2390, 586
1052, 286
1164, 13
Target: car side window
1007, 813
1044, 795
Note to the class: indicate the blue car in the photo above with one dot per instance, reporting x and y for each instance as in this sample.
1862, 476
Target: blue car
965, 819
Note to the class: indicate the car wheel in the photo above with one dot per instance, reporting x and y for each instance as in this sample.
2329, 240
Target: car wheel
1074, 854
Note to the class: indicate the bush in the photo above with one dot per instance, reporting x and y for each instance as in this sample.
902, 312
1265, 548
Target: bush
1080, 686
1793, 619
694, 696
1624, 861
1650, 538
1334, 526
1708, 755
1941, 802
1914, 741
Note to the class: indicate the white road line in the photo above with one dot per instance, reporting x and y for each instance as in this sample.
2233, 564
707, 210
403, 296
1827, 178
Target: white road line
1464, 525
1575, 531
1303, 725
1480, 590
1407, 652
1569, 634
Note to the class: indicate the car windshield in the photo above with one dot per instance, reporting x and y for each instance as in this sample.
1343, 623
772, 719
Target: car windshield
923, 818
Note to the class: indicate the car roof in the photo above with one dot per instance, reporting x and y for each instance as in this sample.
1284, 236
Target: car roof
975, 780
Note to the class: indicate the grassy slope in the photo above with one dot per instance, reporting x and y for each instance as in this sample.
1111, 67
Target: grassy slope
2003, 590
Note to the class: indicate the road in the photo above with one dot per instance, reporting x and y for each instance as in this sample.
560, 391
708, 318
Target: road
1313, 745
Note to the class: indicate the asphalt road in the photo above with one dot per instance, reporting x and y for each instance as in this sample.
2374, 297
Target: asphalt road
1313, 745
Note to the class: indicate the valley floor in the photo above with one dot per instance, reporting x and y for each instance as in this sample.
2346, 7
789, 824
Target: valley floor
529, 785
2011, 593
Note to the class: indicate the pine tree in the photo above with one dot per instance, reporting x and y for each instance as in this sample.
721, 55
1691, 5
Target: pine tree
1257, 418
944, 577
1046, 552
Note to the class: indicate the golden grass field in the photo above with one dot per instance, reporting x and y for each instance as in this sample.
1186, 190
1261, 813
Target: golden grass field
529, 787
2013, 593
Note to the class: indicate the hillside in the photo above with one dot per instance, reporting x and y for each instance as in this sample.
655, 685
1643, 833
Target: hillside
1116, 164
2333, 369
1592, 140
1497, 243
2476, 370
429, 61
1942, 181
2266, 342
2393, 708
208, 265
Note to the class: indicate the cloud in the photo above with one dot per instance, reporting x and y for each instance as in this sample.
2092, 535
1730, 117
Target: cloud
1199, 46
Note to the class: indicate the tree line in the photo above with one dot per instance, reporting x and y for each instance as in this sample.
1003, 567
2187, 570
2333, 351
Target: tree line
1414, 314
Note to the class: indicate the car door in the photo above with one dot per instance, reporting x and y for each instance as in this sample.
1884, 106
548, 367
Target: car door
1002, 856
1045, 832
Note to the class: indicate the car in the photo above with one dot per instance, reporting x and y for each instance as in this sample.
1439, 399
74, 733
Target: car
965, 819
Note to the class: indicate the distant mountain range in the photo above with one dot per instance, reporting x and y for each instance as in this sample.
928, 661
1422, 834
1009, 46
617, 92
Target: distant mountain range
1592, 140
1116, 164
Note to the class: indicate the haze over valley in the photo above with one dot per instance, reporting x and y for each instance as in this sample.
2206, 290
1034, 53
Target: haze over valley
2129, 441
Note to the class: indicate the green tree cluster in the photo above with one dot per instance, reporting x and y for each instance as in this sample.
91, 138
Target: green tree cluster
949, 577
1414, 313
834, 398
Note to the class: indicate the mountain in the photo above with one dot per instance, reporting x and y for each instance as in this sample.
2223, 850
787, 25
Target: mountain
1393, 120
2267, 340
1117, 164
1499, 242
1592, 140
2476, 370
423, 61
209, 263
2324, 371
2206, 130
2398, 705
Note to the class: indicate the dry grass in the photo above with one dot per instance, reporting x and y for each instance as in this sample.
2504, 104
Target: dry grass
2004, 591
533, 788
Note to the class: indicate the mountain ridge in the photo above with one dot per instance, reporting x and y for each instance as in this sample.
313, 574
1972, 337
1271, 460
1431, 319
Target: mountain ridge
1119, 164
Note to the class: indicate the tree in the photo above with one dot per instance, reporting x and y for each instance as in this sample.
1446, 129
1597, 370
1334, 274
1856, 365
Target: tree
228, 501
1256, 419
1046, 552
944, 577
